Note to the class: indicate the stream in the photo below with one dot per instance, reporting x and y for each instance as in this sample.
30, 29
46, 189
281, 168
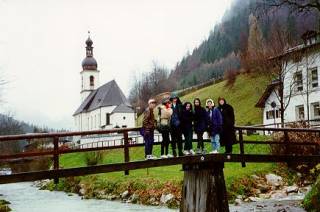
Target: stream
26, 197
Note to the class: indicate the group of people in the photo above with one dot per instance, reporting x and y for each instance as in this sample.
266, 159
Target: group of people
177, 119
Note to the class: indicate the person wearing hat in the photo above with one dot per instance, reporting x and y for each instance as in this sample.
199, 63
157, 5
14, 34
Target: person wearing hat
200, 124
228, 135
214, 118
164, 116
175, 124
148, 126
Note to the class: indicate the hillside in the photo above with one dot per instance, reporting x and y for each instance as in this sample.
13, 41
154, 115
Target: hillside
243, 95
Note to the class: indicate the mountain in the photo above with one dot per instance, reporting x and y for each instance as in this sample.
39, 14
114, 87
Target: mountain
229, 39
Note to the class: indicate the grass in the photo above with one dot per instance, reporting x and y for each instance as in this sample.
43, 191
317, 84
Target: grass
170, 173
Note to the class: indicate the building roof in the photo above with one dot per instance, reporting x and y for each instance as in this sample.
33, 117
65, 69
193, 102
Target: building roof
108, 94
123, 109
262, 101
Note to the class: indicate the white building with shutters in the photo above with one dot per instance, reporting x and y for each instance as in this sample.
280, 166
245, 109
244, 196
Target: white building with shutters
301, 84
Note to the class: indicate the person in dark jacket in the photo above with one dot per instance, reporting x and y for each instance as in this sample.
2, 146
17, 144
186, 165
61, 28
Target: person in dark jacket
228, 135
200, 124
148, 126
214, 118
186, 126
175, 123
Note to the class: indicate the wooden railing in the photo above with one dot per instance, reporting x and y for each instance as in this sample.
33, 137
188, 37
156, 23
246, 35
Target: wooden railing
57, 150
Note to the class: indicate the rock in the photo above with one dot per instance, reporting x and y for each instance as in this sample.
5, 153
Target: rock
274, 180
237, 202
133, 198
152, 201
278, 194
305, 189
239, 197
255, 177
263, 188
166, 198
254, 199
82, 191
125, 194
292, 189
256, 191
260, 206
264, 196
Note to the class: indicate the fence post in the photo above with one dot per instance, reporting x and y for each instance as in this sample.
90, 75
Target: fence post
241, 146
56, 157
126, 150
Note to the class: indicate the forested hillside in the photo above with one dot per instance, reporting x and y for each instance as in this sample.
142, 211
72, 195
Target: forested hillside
238, 43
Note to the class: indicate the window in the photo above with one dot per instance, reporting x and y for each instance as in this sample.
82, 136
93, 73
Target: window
298, 81
108, 119
124, 118
315, 110
314, 78
300, 112
271, 114
91, 80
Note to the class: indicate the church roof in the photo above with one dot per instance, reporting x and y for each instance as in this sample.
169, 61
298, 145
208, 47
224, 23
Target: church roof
123, 109
108, 94
270, 88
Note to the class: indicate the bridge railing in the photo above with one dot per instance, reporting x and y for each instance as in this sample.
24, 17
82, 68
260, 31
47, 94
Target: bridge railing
58, 148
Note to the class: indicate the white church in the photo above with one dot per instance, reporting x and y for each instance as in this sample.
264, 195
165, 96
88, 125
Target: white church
102, 107
301, 66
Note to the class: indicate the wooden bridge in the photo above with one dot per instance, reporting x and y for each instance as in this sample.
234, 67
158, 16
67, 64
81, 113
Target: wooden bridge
204, 187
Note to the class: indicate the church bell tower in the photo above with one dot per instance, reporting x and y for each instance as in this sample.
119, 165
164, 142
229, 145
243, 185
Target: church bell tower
89, 73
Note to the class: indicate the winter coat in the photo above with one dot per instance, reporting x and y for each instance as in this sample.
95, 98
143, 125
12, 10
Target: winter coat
186, 120
227, 116
175, 121
165, 115
148, 122
215, 120
200, 119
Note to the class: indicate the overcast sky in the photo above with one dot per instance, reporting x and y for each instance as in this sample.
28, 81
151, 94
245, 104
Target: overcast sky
42, 46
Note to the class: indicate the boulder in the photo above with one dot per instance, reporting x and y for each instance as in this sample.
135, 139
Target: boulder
238, 202
133, 198
264, 196
166, 198
254, 199
278, 194
274, 180
125, 194
292, 189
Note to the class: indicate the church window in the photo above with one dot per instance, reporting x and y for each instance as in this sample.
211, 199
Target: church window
91, 80
108, 119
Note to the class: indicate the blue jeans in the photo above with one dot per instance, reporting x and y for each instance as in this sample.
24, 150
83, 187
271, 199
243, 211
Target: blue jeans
148, 142
215, 142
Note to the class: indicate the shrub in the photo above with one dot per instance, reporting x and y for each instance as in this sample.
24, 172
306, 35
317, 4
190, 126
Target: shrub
299, 137
93, 158
312, 200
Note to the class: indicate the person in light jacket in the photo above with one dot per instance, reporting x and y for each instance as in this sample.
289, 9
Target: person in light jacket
164, 117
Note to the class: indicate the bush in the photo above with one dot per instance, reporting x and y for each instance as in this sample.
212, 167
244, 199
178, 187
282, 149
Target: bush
312, 200
93, 158
299, 137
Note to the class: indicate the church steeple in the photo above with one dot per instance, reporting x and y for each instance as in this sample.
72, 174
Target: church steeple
89, 63
89, 73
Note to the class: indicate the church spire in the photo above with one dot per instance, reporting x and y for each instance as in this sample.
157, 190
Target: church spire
89, 48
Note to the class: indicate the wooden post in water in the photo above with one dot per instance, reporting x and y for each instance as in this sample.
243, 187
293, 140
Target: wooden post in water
126, 150
204, 188
56, 157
